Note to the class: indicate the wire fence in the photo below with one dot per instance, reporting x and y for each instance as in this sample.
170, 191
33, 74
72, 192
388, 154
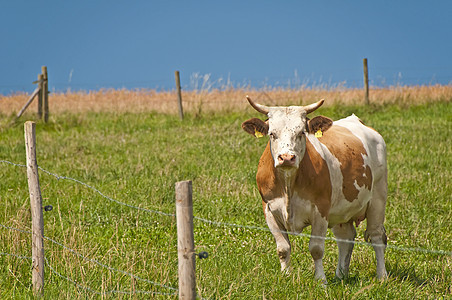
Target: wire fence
205, 94
76, 253
352, 78
226, 224
87, 288
173, 291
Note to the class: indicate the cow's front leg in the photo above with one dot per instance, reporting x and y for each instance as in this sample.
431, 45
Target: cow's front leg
281, 238
317, 244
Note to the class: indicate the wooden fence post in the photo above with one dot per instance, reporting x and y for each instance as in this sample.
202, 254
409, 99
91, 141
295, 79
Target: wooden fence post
179, 95
185, 240
366, 81
37, 221
40, 95
45, 93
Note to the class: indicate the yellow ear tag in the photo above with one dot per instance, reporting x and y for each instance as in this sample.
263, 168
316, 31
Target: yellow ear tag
318, 133
258, 134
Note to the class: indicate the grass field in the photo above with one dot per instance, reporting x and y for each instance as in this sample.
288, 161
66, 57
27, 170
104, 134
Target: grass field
137, 156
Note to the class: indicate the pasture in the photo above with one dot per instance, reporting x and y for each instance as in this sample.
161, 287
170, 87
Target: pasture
136, 158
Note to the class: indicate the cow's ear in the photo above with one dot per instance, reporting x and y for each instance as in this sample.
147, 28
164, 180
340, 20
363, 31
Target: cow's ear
319, 123
256, 127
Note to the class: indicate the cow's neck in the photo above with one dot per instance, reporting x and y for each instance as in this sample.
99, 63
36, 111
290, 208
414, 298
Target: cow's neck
287, 179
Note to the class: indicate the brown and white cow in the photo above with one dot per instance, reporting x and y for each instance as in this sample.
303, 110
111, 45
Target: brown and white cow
321, 173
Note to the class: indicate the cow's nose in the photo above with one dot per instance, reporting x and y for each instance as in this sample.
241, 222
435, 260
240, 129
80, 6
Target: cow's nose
286, 159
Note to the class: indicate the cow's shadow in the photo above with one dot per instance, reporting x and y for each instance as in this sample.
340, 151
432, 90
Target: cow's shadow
405, 273
395, 273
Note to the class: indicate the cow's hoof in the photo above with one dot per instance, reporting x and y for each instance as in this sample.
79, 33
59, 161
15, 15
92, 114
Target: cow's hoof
323, 282
382, 276
286, 271
341, 275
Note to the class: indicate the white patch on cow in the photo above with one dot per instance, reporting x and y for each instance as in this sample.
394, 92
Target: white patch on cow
278, 209
301, 217
302, 213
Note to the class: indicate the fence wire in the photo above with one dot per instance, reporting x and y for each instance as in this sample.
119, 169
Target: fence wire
87, 288
225, 224
15, 255
91, 259
397, 248
58, 177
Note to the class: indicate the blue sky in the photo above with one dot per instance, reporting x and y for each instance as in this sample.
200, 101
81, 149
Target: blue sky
90, 45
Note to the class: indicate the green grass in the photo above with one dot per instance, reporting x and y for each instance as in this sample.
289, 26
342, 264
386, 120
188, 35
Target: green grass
137, 159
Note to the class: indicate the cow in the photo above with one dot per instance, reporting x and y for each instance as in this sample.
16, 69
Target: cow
321, 173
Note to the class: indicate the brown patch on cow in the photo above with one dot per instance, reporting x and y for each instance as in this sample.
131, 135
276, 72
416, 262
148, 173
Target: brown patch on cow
319, 123
264, 205
266, 177
349, 150
313, 182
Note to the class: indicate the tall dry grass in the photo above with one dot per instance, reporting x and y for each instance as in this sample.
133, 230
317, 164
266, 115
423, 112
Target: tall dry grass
199, 101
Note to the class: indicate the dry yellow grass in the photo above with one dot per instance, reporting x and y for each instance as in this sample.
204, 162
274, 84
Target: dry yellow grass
215, 100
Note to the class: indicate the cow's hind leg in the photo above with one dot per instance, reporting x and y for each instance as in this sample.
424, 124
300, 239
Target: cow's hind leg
282, 240
345, 234
375, 231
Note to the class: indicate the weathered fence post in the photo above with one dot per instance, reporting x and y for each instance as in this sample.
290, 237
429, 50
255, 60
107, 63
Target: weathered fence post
45, 93
179, 95
37, 221
42, 91
40, 95
185, 240
366, 81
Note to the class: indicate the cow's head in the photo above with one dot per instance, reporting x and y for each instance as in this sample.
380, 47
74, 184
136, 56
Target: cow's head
287, 128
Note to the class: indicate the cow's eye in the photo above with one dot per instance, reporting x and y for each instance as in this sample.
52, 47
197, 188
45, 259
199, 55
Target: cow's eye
272, 135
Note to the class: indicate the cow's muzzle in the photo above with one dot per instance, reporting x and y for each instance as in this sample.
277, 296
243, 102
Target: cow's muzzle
286, 160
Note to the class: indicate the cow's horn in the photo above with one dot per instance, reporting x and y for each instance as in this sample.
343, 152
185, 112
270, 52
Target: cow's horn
311, 107
259, 107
